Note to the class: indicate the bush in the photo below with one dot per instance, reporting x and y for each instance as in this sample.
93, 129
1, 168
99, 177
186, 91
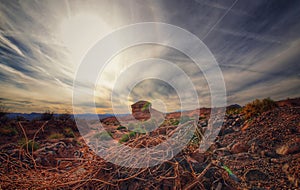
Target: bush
131, 126
56, 136
20, 118
105, 136
149, 125
233, 111
139, 130
47, 115
124, 138
185, 119
68, 132
3, 110
8, 131
121, 127
32, 145
174, 122
65, 116
132, 134
257, 107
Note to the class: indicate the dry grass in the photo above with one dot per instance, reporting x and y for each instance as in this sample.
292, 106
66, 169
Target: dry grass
93, 172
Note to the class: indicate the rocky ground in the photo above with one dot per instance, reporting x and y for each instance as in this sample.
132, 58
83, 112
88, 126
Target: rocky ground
258, 153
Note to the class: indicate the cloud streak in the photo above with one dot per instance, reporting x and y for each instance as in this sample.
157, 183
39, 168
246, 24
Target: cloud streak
255, 43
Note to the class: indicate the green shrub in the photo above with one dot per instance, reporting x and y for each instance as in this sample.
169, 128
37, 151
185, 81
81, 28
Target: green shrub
121, 127
3, 110
149, 125
132, 134
47, 115
105, 136
65, 116
68, 132
32, 145
174, 121
185, 119
257, 107
56, 136
139, 130
131, 126
8, 131
124, 138
233, 111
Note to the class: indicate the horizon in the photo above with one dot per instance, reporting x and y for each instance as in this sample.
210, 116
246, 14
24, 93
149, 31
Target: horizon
59, 113
43, 44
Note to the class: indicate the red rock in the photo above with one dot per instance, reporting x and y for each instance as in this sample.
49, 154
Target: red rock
141, 110
289, 148
239, 147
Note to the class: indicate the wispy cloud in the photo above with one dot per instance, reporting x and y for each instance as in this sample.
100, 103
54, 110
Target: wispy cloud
256, 44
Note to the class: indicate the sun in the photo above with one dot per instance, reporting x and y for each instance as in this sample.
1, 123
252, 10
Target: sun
80, 32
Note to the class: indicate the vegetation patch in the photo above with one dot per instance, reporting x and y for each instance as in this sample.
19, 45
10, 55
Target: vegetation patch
124, 138
146, 106
121, 127
105, 136
32, 145
185, 119
47, 115
8, 131
257, 107
56, 136
68, 132
140, 130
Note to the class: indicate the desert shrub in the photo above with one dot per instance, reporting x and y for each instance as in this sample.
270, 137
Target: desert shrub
149, 125
65, 116
139, 130
56, 136
32, 145
3, 110
174, 121
105, 136
68, 132
20, 118
47, 115
185, 119
121, 127
8, 131
132, 134
131, 126
124, 138
257, 107
233, 111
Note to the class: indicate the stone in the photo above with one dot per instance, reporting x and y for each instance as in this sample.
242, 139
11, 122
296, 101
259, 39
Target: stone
255, 175
239, 147
289, 148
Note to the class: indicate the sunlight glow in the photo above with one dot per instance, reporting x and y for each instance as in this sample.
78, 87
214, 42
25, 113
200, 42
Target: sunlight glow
80, 32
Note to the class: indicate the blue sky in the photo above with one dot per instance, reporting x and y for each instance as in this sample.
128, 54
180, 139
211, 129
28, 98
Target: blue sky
256, 43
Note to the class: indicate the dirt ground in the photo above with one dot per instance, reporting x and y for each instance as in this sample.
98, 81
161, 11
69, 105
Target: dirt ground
259, 153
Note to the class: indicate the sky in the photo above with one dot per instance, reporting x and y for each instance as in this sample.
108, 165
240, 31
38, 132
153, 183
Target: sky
42, 44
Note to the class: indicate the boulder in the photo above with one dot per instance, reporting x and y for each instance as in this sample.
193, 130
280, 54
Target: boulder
239, 147
255, 175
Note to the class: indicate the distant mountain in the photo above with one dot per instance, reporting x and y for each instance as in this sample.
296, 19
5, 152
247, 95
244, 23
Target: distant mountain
31, 116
